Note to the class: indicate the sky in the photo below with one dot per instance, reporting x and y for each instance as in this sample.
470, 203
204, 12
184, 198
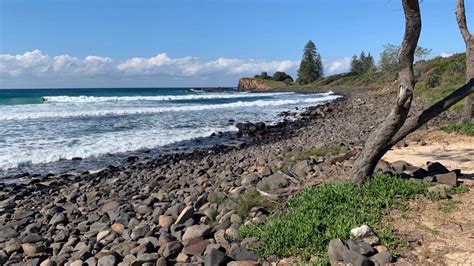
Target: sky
199, 43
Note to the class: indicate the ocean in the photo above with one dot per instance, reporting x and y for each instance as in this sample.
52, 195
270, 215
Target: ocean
43, 126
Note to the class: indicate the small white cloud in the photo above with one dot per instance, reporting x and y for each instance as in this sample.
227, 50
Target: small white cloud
446, 54
337, 66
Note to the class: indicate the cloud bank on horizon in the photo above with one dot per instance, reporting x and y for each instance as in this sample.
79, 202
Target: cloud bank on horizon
35, 69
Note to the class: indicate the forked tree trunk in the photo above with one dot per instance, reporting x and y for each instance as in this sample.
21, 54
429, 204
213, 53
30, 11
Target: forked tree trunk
468, 114
420, 118
377, 143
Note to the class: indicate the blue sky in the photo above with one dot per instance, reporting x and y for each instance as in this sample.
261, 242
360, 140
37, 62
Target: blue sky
105, 43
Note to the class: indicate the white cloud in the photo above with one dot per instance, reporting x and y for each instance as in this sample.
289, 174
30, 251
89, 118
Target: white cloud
36, 68
446, 54
337, 66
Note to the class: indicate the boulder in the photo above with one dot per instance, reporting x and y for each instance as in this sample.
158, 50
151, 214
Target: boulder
335, 249
360, 247
195, 231
435, 168
449, 178
273, 182
362, 231
356, 259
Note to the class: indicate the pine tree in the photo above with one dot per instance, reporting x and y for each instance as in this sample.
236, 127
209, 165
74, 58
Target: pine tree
311, 66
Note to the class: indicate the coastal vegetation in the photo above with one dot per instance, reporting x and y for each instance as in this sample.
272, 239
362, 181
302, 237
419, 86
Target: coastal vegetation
331, 210
311, 66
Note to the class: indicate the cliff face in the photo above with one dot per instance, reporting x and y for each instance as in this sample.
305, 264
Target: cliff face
253, 84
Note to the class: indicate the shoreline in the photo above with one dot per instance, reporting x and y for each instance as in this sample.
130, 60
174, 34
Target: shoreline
97, 163
183, 207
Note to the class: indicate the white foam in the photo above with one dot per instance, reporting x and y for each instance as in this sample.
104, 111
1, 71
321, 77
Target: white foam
201, 96
22, 115
112, 142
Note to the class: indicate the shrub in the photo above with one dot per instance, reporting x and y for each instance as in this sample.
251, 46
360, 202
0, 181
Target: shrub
433, 81
317, 215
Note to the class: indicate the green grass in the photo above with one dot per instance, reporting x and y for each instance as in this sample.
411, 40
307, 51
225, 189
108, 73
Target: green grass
448, 206
465, 128
317, 215
250, 199
314, 152
457, 190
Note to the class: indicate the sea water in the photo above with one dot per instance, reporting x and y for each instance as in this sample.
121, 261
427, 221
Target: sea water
40, 126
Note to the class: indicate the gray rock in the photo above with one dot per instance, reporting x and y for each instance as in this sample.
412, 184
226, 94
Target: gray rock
161, 262
448, 179
360, 247
7, 233
200, 230
140, 231
216, 258
58, 218
146, 258
186, 213
439, 190
249, 179
355, 258
109, 260
335, 249
12, 245
242, 254
273, 182
172, 249
382, 258
33, 238
301, 168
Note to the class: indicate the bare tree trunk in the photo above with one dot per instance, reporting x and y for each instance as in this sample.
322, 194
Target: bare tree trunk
468, 114
376, 145
422, 117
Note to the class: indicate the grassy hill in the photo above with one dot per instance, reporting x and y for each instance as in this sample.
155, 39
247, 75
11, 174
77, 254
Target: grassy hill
437, 78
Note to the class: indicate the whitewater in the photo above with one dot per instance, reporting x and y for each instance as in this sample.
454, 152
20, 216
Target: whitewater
44, 126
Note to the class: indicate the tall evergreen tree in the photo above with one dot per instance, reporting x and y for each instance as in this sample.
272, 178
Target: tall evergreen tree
311, 67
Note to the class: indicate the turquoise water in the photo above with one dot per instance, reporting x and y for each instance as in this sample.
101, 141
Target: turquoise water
41, 126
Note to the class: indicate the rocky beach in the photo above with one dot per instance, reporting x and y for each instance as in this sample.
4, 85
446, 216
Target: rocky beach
187, 208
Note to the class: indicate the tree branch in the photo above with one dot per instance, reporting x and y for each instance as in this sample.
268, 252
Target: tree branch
461, 18
422, 117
